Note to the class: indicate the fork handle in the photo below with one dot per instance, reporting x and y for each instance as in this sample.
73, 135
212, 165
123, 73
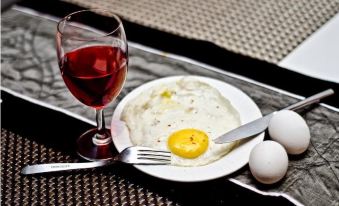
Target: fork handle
55, 167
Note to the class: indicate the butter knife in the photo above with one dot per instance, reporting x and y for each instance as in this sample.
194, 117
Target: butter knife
259, 125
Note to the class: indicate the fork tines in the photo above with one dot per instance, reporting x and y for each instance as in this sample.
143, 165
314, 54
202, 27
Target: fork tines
154, 156
153, 150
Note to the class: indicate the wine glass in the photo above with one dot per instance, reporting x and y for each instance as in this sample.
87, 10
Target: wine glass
93, 65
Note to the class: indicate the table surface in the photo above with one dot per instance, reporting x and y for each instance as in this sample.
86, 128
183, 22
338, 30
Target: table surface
29, 67
265, 29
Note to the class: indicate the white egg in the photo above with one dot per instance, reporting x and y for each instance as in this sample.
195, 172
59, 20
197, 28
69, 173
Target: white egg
268, 162
154, 115
290, 130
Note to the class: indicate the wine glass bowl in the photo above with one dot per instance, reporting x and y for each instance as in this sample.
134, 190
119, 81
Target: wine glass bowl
93, 65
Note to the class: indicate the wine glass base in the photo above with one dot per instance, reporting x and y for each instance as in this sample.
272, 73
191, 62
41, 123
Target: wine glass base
90, 150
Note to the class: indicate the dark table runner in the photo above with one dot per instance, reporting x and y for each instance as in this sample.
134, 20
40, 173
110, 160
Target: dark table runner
29, 67
51, 136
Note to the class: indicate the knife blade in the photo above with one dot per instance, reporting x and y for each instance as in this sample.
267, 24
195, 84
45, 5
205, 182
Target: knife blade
259, 125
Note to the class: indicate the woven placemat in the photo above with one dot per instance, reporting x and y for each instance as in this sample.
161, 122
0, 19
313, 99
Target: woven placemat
263, 29
89, 188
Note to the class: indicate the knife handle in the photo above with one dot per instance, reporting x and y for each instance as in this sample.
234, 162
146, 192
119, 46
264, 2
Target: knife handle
310, 100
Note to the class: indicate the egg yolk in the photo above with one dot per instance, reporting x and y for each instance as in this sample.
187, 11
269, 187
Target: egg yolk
188, 143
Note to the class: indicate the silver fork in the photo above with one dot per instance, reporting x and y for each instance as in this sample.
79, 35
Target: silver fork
130, 155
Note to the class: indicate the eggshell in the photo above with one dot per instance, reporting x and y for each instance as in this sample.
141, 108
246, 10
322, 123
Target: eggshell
268, 162
290, 130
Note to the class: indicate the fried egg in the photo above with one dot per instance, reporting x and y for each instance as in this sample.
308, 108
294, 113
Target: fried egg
184, 117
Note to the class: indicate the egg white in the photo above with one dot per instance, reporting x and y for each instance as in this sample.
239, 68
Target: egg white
187, 103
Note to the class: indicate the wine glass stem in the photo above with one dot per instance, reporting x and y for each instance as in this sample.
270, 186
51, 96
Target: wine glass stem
101, 137
100, 119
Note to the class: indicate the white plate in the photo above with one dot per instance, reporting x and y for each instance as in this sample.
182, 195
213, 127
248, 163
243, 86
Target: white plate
231, 162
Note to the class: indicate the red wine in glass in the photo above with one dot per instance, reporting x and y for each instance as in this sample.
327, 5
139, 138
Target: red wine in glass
94, 74
93, 65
